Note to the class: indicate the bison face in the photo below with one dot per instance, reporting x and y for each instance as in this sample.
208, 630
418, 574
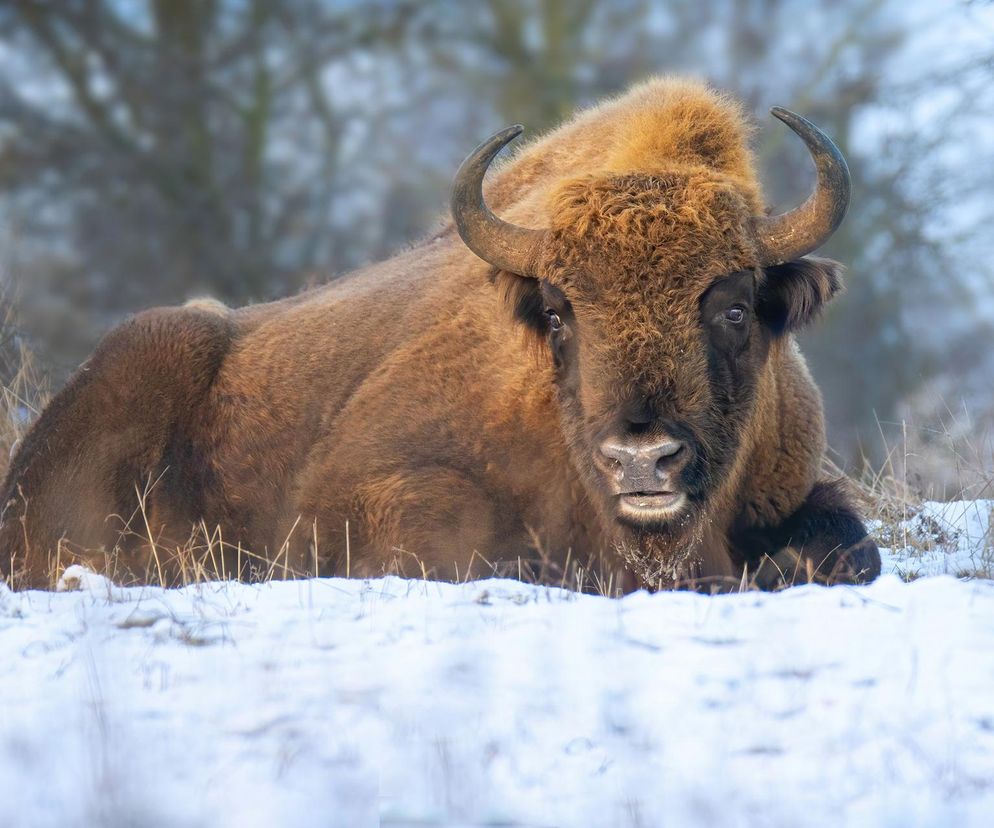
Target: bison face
654, 403
649, 300
660, 296
659, 323
659, 365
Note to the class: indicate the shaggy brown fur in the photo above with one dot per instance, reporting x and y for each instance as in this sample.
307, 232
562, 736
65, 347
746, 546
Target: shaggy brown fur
416, 402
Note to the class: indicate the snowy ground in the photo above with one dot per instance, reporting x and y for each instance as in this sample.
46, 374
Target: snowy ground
404, 703
940, 539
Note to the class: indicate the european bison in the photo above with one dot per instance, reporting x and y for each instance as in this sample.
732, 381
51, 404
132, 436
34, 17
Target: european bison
606, 374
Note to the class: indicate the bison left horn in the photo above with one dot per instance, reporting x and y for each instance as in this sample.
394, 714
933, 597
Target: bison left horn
799, 231
504, 245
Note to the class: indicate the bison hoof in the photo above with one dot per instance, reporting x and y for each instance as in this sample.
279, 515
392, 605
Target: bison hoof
859, 564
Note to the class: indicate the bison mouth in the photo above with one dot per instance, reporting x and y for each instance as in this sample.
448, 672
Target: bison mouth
644, 508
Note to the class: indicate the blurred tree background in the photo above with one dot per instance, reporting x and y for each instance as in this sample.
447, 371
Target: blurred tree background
154, 150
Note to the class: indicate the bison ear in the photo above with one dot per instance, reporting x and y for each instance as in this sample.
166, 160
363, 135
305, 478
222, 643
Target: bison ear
523, 297
794, 293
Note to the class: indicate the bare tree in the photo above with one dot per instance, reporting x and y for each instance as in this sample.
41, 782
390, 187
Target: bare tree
149, 149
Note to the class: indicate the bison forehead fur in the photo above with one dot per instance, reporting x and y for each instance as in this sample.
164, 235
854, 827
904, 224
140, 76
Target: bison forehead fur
434, 414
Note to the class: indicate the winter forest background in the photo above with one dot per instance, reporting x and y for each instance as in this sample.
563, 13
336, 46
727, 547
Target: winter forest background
155, 150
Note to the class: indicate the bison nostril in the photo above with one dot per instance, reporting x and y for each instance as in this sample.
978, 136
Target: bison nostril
613, 457
668, 453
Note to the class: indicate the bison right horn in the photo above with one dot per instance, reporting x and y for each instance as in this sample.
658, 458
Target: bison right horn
802, 230
504, 245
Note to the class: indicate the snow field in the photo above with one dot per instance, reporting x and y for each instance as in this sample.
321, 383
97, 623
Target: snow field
332, 702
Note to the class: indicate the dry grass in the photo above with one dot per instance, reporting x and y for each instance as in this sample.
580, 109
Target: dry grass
24, 390
894, 498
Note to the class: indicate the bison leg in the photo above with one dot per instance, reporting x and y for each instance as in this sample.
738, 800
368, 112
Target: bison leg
101, 451
431, 522
824, 541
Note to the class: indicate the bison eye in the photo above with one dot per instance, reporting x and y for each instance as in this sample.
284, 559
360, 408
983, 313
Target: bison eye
735, 315
555, 323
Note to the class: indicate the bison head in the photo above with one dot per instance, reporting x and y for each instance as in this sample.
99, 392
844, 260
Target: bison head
661, 297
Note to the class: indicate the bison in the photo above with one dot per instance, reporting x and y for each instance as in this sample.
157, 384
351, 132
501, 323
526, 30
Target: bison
607, 373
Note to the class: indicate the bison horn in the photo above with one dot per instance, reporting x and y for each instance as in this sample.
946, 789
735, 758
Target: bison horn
796, 233
505, 246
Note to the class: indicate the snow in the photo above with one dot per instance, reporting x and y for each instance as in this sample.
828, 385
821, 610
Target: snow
331, 702
954, 538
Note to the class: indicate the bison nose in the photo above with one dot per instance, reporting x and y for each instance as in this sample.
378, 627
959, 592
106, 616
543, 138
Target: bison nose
642, 466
